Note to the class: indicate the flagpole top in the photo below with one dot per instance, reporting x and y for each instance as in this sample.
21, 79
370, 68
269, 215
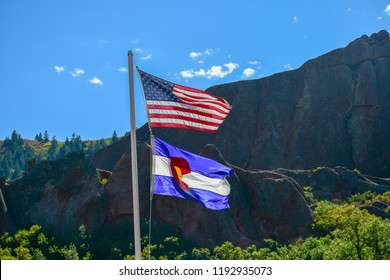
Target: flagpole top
130, 53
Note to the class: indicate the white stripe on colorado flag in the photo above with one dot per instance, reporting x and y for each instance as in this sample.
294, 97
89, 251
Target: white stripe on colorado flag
193, 180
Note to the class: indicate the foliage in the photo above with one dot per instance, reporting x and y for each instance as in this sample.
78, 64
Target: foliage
357, 171
341, 232
114, 137
318, 169
308, 191
33, 244
104, 181
15, 156
16, 152
361, 198
355, 233
368, 197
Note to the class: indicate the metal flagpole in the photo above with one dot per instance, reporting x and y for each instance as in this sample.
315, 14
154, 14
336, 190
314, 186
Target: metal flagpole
134, 167
152, 165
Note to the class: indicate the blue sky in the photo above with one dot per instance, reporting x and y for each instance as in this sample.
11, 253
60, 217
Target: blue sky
63, 64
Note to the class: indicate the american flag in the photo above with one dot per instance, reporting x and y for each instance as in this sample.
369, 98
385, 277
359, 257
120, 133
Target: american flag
176, 106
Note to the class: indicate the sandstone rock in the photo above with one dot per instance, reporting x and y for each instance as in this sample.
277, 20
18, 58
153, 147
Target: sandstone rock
377, 208
103, 174
337, 184
107, 157
6, 223
331, 111
60, 194
277, 205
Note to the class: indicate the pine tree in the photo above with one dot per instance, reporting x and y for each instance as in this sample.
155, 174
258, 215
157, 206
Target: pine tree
53, 150
15, 136
16, 156
114, 137
7, 142
100, 144
65, 148
46, 137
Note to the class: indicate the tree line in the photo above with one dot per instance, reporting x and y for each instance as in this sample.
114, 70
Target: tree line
16, 152
341, 231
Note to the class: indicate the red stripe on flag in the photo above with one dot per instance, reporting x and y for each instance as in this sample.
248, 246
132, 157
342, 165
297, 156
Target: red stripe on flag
186, 110
179, 117
171, 125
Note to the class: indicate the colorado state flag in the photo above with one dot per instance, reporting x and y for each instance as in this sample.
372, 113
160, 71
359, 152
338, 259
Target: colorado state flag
183, 174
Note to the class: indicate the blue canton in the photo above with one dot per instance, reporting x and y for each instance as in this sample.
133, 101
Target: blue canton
156, 88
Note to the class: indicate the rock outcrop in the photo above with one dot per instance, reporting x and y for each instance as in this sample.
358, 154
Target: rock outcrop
334, 110
336, 184
61, 194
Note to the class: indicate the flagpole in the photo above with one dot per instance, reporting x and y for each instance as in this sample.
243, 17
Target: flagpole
134, 167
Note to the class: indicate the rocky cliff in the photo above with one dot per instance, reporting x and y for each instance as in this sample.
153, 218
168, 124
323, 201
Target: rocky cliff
332, 111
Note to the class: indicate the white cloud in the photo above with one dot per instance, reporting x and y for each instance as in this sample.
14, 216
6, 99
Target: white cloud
248, 72
135, 41
231, 66
254, 62
379, 18
146, 57
123, 69
387, 10
201, 61
187, 73
295, 19
194, 55
96, 81
220, 72
288, 66
208, 51
77, 72
349, 9
102, 42
59, 69
216, 71
138, 50
201, 72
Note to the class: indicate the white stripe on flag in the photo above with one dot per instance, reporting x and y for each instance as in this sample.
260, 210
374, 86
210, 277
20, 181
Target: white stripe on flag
185, 106
193, 180
194, 100
196, 94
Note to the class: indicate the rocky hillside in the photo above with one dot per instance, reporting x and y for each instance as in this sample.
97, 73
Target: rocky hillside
333, 111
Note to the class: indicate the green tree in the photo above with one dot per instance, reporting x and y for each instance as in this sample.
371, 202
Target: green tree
114, 137
53, 151
200, 254
227, 251
356, 234
16, 155
46, 136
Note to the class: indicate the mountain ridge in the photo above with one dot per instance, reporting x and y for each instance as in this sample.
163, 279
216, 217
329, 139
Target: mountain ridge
321, 126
